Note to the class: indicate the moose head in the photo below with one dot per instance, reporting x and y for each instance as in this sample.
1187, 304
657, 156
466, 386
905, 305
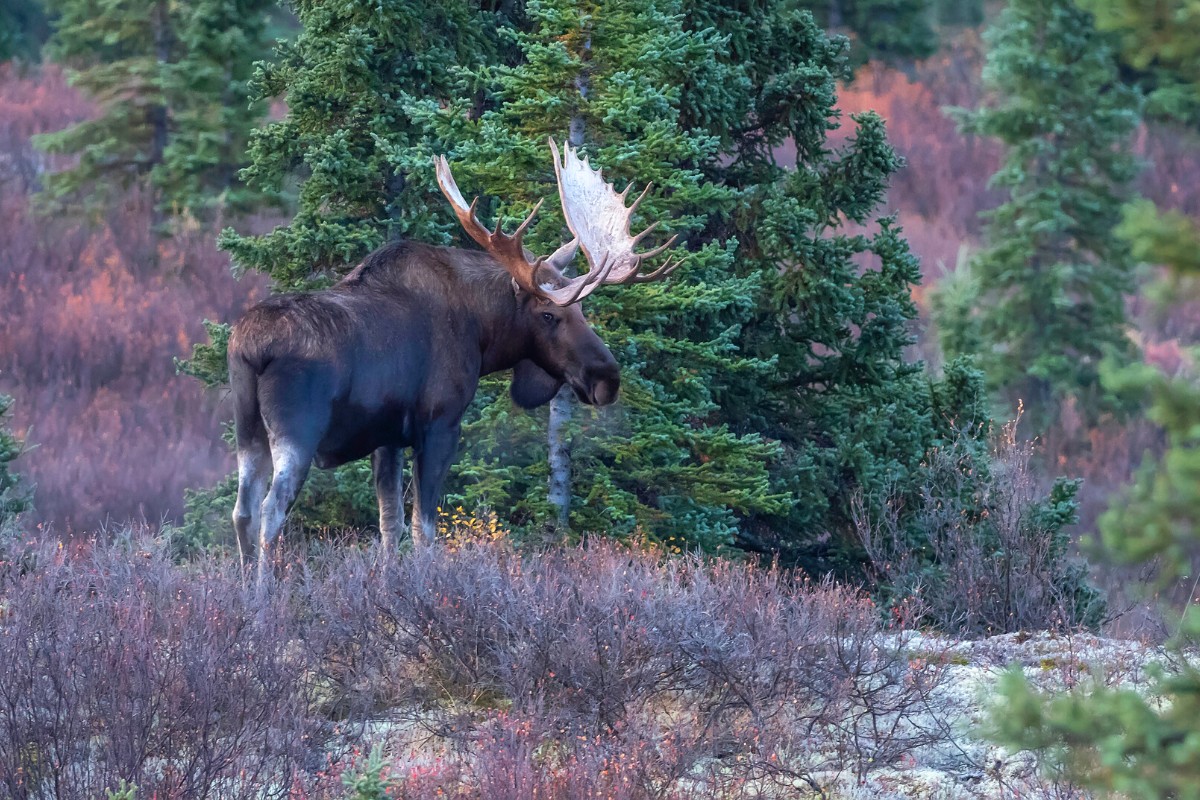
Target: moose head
565, 347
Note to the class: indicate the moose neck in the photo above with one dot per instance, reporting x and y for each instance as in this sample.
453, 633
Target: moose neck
505, 337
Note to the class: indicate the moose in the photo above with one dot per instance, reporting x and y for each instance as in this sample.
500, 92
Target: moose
390, 357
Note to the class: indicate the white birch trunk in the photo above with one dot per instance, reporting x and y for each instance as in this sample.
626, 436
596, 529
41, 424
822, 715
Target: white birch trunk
562, 406
559, 493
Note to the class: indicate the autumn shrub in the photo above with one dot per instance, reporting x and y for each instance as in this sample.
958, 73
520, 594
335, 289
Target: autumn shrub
990, 551
92, 315
115, 665
90, 341
572, 657
582, 672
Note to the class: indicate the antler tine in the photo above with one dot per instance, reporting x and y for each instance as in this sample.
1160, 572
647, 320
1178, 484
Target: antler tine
564, 255
646, 233
666, 269
579, 288
662, 248
520, 231
638, 200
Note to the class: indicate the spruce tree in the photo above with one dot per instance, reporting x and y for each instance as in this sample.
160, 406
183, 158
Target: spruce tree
835, 313
170, 80
23, 29
663, 463
891, 30
765, 383
856, 417
887, 30
959, 13
1053, 278
1112, 740
208, 90
348, 79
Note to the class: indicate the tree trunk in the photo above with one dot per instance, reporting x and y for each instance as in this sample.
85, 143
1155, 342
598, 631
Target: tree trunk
158, 112
559, 493
835, 14
562, 405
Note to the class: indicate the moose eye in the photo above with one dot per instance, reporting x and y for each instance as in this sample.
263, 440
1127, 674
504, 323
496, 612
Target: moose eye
546, 315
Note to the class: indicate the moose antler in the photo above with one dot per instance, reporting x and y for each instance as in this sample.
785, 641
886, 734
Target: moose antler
597, 217
506, 249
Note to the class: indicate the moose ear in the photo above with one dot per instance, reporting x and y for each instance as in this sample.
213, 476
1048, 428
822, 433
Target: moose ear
532, 386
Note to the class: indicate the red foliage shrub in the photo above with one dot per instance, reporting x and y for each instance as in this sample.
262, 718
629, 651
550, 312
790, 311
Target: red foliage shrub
581, 673
116, 664
619, 674
91, 317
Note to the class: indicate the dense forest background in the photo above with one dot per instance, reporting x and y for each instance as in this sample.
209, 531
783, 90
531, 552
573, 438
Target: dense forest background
98, 304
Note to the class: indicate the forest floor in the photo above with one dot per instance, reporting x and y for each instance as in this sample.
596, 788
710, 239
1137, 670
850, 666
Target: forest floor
965, 765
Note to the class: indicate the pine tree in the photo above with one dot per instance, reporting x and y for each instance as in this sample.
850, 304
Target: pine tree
1053, 279
170, 80
1110, 739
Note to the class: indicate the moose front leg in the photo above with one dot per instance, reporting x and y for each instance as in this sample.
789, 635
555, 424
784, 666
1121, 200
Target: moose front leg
431, 462
387, 464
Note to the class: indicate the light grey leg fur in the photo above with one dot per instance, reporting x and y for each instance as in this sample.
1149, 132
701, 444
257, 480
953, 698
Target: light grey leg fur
254, 475
290, 464
424, 526
387, 464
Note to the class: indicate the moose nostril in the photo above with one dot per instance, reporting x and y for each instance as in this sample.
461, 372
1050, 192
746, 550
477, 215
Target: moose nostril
605, 391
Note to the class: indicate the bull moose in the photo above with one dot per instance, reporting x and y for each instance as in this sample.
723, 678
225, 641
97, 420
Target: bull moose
391, 356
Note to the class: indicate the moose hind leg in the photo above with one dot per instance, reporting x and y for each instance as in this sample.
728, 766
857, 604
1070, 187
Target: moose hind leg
290, 464
254, 475
430, 465
387, 464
